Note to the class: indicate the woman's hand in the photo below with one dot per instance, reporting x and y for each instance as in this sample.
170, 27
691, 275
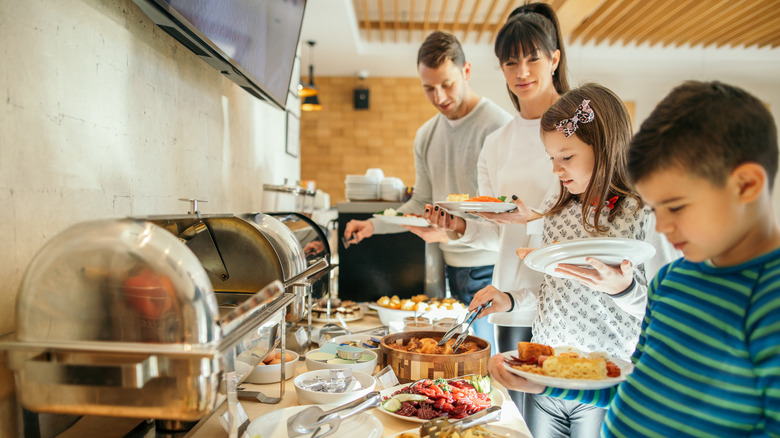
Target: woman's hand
600, 276
428, 234
501, 302
521, 215
441, 218
508, 380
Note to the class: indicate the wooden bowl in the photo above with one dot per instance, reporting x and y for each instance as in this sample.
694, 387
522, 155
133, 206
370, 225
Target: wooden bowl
409, 367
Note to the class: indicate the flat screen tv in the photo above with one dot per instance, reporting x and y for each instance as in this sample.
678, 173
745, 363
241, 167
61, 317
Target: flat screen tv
253, 42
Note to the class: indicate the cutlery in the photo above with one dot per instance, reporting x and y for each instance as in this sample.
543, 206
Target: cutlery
435, 428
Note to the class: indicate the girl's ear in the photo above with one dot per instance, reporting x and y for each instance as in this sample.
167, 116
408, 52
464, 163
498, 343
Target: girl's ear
750, 179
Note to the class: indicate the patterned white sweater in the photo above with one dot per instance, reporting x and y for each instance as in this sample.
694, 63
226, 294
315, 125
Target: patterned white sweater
570, 313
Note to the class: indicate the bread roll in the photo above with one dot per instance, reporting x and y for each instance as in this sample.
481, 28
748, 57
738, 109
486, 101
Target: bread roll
529, 350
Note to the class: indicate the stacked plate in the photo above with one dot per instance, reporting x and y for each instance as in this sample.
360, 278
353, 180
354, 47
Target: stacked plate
391, 189
362, 188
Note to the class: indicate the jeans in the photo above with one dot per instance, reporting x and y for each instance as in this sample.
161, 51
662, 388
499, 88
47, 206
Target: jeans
549, 417
507, 339
464, 283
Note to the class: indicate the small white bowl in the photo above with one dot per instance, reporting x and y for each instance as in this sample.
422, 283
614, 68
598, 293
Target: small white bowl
308, 397
365, 367
271, 373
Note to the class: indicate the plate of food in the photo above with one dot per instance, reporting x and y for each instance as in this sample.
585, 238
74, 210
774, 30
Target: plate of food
393, 309
405, 401
480, 204
565, 367
484, 431
611, 251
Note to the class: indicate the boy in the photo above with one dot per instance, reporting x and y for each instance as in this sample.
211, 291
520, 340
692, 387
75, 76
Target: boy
708, 358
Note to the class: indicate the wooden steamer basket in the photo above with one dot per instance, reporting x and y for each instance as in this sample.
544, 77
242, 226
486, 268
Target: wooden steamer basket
410, 367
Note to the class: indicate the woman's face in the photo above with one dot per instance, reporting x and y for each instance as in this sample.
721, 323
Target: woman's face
530, 76
572, 160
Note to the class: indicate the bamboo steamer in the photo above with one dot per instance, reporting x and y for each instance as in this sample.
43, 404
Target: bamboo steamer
409, 367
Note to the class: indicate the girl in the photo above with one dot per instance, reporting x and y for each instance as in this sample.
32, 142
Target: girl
586, 135
531, 54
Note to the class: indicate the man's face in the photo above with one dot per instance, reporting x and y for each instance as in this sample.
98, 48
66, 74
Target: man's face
445, 86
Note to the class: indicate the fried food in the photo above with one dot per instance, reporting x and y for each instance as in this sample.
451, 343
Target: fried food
532, 351
456, 197
429, 346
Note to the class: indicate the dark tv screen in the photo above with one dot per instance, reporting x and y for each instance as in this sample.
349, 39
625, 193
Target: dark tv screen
253, 42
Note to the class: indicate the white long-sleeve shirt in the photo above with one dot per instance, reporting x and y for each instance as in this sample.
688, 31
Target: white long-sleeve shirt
512, 162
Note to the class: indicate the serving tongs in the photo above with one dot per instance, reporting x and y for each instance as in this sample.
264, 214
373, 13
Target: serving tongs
313, 419
470, 318
436, 427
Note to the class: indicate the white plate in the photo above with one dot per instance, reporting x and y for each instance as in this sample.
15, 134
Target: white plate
626, 368
274, 424
412, 221
611, 251
496, 399
482, 207
335, 319
511, 433
393, 318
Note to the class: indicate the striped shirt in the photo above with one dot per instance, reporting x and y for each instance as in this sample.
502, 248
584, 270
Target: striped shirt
708, 359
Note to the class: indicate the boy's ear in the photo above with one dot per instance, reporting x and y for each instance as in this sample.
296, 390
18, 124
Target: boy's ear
750, 180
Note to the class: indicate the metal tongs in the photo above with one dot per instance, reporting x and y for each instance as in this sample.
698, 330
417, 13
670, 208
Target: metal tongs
434, 428
311, 420
470, 318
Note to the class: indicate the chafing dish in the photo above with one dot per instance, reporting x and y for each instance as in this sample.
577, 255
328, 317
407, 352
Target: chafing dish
157, 317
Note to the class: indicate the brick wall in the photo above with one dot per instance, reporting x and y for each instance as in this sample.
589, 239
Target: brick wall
340, 140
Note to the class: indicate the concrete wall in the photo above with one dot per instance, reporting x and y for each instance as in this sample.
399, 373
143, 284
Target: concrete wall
102, 114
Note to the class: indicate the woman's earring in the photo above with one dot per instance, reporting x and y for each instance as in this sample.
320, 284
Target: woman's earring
553, 73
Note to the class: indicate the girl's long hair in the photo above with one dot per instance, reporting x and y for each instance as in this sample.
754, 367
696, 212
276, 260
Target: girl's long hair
609, 134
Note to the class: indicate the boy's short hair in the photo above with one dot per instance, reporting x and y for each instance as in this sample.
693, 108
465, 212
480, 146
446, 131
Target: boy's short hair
706, 129
438, 47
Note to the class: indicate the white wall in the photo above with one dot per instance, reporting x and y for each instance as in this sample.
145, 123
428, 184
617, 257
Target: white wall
102, 114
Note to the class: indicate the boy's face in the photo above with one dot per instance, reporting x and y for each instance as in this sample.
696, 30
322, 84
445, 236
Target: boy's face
446, 88
699, 219
572, 160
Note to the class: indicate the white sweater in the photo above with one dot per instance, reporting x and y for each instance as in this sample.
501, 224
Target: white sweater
513, 162
445, 154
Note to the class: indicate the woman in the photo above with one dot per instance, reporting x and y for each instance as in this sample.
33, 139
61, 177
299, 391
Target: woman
513, 163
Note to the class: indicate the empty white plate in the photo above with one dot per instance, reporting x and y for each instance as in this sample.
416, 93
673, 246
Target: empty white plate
611, 251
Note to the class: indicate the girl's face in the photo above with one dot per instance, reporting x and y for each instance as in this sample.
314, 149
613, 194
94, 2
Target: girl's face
530, 76
572, 160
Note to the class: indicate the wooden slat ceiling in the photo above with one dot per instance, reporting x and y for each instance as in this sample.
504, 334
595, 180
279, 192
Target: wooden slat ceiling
662, 23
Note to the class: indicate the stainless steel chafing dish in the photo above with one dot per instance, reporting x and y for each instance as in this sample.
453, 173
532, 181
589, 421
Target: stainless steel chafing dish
158, 317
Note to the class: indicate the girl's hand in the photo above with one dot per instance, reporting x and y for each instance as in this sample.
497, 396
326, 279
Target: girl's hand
441, 218
601, 276
508, 380
501, 302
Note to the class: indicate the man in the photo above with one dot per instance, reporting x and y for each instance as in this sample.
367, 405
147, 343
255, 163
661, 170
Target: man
446, 149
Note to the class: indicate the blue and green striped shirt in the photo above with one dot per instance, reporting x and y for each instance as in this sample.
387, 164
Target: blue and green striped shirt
708, 359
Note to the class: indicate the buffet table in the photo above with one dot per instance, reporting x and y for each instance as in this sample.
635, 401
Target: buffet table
107, 427
510, 416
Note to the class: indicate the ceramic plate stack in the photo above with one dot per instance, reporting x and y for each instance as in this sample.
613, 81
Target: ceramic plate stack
362, 188
391, 189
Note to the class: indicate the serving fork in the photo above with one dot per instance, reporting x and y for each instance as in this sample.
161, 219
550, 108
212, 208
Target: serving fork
434, 428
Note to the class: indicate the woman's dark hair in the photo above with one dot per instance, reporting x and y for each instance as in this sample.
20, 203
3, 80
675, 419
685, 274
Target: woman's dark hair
530, 28
438, 47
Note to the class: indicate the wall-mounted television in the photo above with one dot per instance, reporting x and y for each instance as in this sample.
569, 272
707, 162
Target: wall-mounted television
253, 42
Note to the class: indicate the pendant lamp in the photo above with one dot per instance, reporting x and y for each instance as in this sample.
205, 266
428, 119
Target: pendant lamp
308, 91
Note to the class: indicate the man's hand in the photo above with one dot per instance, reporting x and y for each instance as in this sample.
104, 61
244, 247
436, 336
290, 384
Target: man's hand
356, 231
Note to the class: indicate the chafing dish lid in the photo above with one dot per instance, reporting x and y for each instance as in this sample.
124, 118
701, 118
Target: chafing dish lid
117, 280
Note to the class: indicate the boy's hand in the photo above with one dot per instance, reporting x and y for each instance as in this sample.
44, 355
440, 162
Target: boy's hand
508, 380
601, 277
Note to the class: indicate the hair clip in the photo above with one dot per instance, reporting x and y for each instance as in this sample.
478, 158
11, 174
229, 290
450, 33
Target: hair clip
583, 114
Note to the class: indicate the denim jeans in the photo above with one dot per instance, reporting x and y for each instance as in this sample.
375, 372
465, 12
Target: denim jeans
464, 283
549, 417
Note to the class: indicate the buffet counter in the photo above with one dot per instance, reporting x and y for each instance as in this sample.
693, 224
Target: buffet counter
510, 416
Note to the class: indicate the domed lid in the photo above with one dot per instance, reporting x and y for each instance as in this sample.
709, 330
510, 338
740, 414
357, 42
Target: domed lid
116, 280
